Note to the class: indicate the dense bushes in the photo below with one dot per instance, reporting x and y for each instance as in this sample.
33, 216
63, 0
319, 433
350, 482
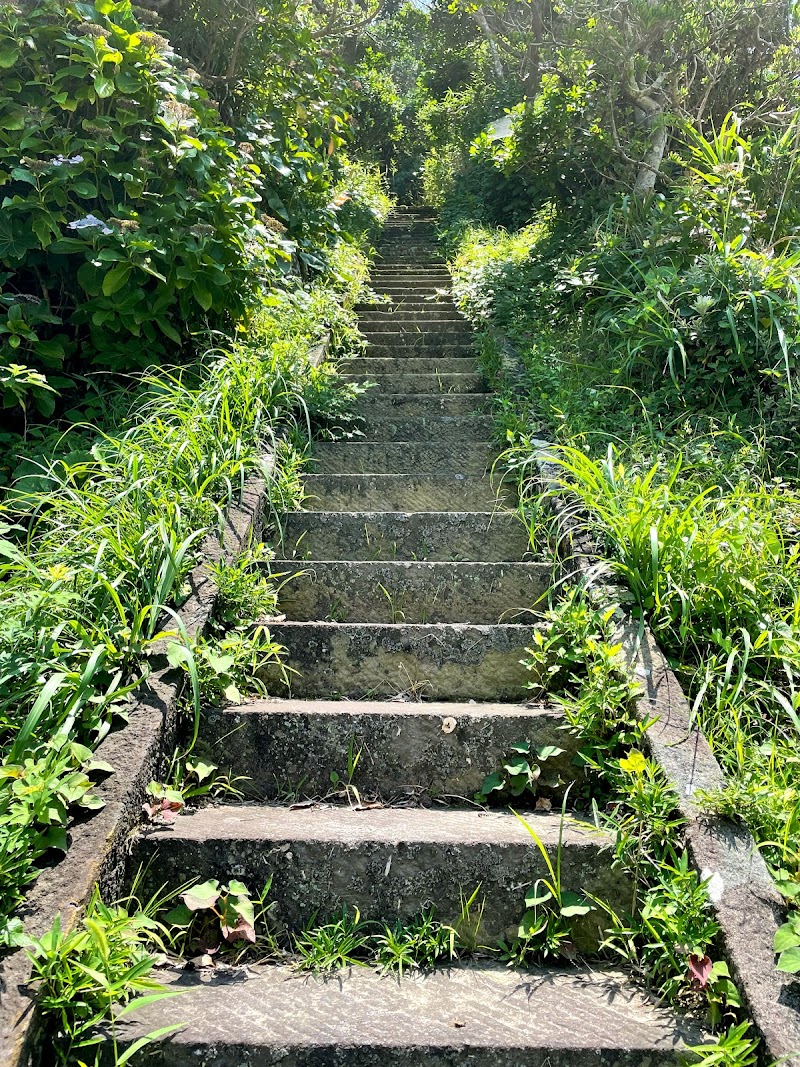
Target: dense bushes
130, 217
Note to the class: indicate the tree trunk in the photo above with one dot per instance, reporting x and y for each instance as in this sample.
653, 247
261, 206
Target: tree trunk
483, 22
653, 157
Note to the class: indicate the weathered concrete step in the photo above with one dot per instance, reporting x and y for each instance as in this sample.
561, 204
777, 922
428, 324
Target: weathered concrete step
400, 492
387, 862
415, 591
467, 1016
405, 747
401, 457
406, 272
448, 661
372, 366
378, 403
403, 316
421, 384
487, 537
440, 305
402, 294
413, 324
415, 351
408, 339
465, 428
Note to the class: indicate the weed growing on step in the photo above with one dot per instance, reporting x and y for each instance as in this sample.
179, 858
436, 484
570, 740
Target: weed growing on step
546, 927
520, 775
422, 944
668, 931
344, 942
88, 978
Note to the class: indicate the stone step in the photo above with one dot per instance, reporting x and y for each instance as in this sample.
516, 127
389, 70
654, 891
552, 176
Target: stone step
413, 324
400, 492
381, 404
411, 307
417, 351
407, 271
480, 1016
406, 339
472, 536
421, 384
401, 591
401, 457
422, 428
444, 661
406, 748
373, 366
389, 863
403, 316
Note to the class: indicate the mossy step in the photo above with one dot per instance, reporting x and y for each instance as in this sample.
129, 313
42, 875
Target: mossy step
406, 748
400, 492
412, 349
413, 324
436, 305
420, 383
403, 315
401, 457
480, 1016
378, 404
469, 536
444, 661
387, 862
405, 340
422, 428
372, 366
403, 591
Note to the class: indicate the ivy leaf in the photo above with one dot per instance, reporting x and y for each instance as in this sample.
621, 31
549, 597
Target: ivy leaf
492, 783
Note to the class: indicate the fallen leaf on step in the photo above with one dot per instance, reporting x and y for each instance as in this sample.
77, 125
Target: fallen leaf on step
448, 725
458, 1024
543, 804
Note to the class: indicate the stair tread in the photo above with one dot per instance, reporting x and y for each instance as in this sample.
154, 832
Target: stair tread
485, 1007
446, 709
346, 825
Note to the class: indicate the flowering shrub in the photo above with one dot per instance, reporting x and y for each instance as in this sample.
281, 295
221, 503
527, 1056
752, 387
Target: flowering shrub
130, 216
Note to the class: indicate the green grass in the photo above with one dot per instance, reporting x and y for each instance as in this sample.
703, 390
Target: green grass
96, 547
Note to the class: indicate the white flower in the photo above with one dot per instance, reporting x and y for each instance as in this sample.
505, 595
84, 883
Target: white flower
68, 161
90, 222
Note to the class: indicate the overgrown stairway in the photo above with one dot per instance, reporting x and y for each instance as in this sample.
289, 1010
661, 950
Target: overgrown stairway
406, 631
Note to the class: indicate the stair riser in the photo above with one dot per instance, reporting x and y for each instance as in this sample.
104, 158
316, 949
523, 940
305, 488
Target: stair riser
439, 663
415, 352
372, 366
408, 750
402, 592
369, 492
361, 457
384, 880
406, 317
325, 536
442, 306
407, 341
420, 384
379, 404
414, 325
464, 429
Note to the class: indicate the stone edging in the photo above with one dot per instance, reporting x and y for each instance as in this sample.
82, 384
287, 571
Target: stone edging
748, 907
98, 843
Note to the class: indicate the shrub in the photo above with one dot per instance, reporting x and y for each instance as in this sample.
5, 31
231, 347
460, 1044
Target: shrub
130, 215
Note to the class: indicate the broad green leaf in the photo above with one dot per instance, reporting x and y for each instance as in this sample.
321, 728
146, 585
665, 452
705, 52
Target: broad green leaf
116, 278
202, 896
537, 896
789, 961
572, 904
786, 936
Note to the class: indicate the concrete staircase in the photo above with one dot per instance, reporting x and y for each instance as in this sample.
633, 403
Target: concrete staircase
406, 632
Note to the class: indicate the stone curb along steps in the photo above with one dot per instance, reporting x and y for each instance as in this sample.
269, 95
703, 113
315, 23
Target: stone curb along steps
415, 605
748, 907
